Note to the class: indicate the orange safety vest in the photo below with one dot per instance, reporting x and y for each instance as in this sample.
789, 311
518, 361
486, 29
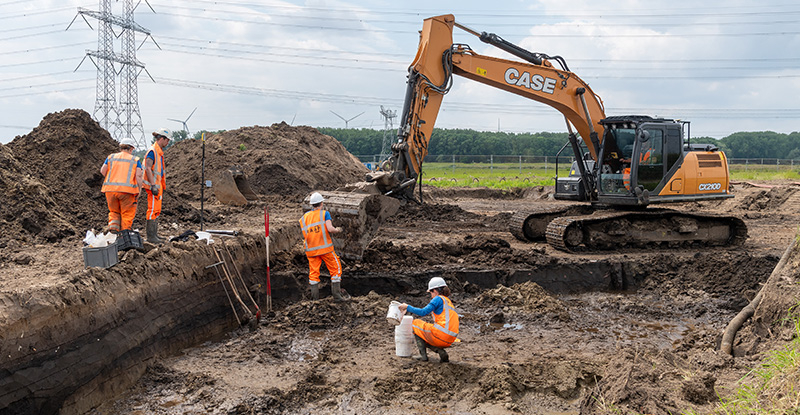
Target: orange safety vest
445, 324
159, 169
317, 239
121, 175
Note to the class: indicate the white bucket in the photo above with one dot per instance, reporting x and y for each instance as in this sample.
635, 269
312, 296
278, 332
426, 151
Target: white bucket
394, 316
404, 337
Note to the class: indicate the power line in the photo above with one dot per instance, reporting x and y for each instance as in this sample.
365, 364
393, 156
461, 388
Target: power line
31, 93
600, 13
327, 17
504, 108
48, 47
544, 35
47, 84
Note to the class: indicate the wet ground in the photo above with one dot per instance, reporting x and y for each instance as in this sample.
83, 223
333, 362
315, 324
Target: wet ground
653, 320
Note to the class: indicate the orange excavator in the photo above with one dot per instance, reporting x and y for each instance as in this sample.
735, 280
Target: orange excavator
622, 164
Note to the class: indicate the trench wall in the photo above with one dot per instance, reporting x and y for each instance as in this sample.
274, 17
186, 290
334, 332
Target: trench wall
68, 347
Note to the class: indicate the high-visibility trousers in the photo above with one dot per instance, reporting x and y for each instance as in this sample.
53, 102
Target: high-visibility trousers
121, 210
426, 330
331, 261
153, 205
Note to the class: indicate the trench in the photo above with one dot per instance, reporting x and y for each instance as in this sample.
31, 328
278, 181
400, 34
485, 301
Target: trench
107, 339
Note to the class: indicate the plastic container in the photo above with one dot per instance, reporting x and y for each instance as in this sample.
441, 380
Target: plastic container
128, 239
103, 257
404, 337
394, 315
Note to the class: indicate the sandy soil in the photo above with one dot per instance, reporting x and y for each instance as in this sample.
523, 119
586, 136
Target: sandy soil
650, 348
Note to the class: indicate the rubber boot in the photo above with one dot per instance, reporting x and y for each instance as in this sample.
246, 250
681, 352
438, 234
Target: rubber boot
152, 232
421, 346
315, 292
443, 357
336, 291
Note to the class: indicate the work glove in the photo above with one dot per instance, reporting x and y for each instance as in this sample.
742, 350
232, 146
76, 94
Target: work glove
154, 189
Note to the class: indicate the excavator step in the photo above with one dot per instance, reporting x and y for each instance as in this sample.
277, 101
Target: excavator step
656, 228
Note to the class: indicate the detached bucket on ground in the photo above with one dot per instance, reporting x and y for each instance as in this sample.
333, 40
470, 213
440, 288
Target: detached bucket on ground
404, 337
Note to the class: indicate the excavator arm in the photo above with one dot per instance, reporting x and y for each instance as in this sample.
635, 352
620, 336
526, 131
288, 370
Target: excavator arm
633, 160
430, 78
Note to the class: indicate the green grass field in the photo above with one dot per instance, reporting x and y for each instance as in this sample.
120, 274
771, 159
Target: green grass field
511, 175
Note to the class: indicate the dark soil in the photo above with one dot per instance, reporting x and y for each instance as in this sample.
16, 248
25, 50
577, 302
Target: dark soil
646, 346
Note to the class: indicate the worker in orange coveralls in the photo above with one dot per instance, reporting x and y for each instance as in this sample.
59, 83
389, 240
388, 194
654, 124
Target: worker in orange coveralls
155, 183
443, 332
123, 180
317, 227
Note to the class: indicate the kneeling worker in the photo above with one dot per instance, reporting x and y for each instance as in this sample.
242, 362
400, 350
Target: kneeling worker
443, 331
317, 227
123, 180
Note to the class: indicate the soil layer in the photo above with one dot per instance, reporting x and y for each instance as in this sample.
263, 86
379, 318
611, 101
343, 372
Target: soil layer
542, 331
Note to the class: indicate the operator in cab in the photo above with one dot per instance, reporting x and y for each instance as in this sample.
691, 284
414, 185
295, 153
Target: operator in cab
440, 334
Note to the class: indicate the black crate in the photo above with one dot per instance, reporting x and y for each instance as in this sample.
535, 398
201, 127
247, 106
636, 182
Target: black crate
100, 257
128, 239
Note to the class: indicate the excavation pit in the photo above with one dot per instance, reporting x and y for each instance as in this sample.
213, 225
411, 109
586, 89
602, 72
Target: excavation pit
541, 329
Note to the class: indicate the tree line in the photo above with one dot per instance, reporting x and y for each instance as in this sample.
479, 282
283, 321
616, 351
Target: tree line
366, 141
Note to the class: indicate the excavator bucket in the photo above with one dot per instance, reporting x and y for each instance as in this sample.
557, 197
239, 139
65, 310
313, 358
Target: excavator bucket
359, 215
232, 187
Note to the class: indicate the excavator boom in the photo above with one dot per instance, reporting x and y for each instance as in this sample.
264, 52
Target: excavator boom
629, 161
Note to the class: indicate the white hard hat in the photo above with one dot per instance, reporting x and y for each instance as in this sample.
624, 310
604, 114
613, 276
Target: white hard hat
127, 141
161, 131
436, 282
316, 198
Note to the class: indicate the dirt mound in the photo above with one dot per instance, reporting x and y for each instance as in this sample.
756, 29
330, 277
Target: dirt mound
653, 383
280, 159
766, 199
55, 181
775, 314
327, 314
527, 296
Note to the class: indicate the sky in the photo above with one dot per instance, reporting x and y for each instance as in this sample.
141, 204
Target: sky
725, 66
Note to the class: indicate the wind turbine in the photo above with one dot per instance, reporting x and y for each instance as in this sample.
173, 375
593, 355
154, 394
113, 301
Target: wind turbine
343, 119
185, 128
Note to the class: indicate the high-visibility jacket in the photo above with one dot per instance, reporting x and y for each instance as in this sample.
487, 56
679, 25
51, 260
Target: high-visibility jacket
121, 176
317, 239
159, 169
444, 329
445, 324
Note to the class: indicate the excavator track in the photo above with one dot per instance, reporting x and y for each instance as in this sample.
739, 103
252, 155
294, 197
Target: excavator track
531, 225
647, 229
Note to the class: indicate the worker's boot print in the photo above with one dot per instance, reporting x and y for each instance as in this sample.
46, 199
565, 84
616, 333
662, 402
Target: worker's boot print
421, 346
336, 291
315, 292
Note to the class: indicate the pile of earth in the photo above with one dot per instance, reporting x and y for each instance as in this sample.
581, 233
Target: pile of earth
52, 175
280, 159
527, 297
767, 199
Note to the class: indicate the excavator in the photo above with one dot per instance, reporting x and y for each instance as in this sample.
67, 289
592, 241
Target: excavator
622, 164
